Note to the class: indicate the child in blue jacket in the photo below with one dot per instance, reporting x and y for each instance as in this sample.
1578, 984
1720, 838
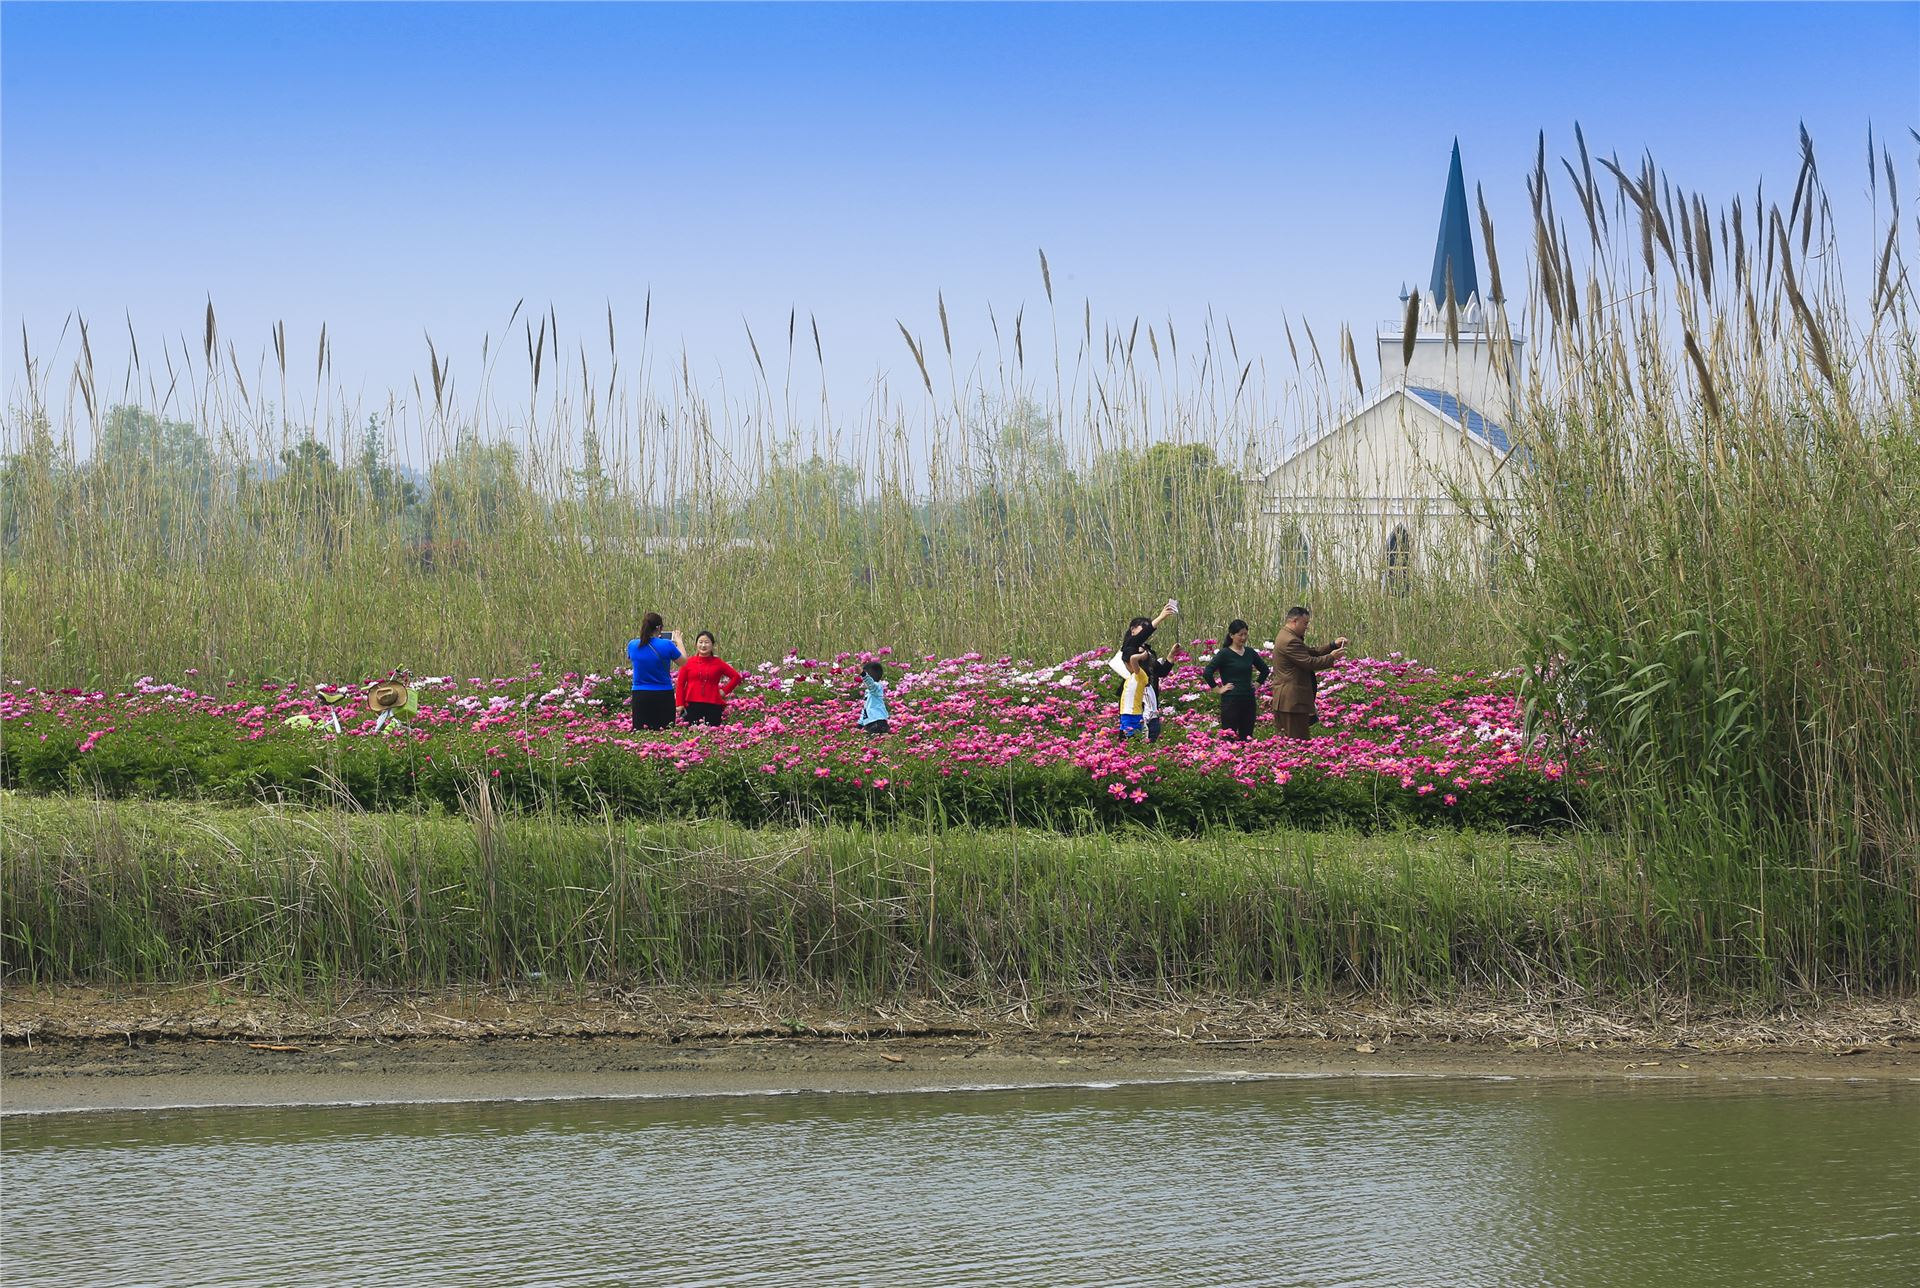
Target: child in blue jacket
873, 698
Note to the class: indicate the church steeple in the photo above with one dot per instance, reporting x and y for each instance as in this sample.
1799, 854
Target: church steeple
1452, 349
1454, 249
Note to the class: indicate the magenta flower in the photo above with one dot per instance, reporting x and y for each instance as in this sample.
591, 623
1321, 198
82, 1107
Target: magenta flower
968, 718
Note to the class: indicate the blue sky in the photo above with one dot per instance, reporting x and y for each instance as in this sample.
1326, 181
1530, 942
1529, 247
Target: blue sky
400, 170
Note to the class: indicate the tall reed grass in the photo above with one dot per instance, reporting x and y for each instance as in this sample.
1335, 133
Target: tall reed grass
295, 900
259, 523
1721, 521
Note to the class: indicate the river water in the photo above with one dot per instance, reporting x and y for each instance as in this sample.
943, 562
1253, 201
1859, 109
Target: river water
1287, 1181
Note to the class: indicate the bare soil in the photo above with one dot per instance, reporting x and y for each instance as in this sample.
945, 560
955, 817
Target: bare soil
73, 1048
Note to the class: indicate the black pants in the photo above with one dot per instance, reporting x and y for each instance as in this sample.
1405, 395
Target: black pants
1237, 714
875, 728
706, 713
652, 708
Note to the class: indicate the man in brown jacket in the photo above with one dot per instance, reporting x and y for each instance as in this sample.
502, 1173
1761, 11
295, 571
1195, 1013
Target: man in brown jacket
1296, 668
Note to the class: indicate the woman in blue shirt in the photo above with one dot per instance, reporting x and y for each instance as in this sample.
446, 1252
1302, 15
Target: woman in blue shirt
652, 657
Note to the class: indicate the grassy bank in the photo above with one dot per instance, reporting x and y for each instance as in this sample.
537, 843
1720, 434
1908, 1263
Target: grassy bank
298, 900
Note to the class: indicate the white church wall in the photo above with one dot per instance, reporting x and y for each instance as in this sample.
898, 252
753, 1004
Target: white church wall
1372, 500
1469, 370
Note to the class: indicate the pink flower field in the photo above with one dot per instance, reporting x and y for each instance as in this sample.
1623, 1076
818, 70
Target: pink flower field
973, 739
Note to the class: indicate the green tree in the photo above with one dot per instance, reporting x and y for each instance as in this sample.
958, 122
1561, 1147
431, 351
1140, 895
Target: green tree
308, 499
134, 440
28, 479
475, 490
390, 492
797, 497
1017, 450
154, 471
1184, 481
591, 478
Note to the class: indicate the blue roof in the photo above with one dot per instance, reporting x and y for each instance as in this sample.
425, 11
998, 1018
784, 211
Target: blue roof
1454, 247
1461, 414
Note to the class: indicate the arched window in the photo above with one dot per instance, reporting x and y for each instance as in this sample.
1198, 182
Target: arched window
1398, 578
1291, 559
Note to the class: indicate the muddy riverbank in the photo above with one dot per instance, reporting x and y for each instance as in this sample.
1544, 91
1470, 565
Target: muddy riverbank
91, 1049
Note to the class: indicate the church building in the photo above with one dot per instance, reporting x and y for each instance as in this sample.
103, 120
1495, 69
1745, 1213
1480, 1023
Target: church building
1375, 492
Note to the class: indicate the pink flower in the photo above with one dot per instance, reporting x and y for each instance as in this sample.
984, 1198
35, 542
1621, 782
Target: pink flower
1392, 719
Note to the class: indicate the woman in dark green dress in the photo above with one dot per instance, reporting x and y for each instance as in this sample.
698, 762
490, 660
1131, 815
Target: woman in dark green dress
1235, 672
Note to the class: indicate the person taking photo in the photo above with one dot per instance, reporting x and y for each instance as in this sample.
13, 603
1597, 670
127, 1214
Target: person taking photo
1299, 665
652, 656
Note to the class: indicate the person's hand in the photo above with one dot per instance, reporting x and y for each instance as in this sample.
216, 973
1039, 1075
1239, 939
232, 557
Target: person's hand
680, 713
1173, 605
1341, 642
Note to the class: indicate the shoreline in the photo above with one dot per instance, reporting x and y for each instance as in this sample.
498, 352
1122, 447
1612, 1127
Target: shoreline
78, 1049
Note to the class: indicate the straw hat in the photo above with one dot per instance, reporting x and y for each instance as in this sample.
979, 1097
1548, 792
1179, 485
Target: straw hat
386, 696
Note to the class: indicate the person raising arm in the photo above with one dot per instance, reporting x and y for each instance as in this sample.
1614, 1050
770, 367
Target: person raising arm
1299, 665
1135, 636
1141, 628
652, 656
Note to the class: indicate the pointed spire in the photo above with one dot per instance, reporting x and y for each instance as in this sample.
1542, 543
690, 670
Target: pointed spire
1454, 249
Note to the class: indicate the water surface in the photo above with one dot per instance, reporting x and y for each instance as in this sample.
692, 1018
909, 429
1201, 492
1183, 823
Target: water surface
1325, 1182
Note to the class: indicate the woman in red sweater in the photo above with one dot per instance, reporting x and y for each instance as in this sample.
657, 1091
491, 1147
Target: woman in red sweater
703, 684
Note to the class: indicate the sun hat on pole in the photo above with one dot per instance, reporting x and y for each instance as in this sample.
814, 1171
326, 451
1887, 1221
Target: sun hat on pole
386, 696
